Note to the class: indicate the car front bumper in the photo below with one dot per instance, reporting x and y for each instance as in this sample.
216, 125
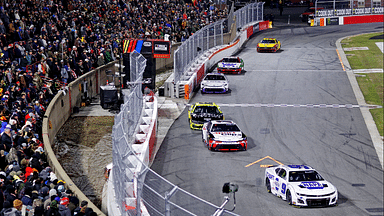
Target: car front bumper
209, 89
314, 201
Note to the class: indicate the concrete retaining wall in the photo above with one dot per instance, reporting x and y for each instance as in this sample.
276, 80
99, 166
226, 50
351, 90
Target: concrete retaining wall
60, 109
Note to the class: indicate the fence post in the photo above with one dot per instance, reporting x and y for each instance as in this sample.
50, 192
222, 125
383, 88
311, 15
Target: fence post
168, 195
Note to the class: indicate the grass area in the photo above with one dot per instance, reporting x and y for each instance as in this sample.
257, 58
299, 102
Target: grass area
364, 59
371, 84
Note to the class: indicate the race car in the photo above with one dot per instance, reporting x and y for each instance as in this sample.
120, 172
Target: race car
269, 45
199, 113
231, 65
300, 185
223, 135
214, 83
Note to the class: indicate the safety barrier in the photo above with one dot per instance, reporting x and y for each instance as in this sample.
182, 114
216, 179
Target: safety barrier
60, 109
209, 60
192, 54
346, 20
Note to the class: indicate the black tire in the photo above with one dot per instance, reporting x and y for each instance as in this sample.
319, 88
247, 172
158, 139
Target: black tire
268, 185
289, 197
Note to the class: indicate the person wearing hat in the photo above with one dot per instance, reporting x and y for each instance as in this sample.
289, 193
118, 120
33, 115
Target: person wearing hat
53, 209
80, 210
17, 204
63, 207
8, 209
73, 200
6, 138
52, 195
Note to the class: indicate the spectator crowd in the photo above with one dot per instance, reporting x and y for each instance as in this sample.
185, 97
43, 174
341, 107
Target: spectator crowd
43, 46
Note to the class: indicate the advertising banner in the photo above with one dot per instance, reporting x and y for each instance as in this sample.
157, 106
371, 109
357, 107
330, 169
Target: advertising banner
146, 48
363, 19
333, 21
161, 49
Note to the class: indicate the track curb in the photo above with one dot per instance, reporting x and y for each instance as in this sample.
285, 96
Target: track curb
377, 140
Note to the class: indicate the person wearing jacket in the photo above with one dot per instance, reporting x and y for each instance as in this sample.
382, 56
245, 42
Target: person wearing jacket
9, 210
63, 207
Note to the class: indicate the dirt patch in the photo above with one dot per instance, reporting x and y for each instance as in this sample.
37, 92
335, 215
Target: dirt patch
83, 147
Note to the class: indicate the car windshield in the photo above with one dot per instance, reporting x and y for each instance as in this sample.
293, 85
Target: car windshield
214, 77
230, 60
268, 41
206, 109
224, 127
309, 175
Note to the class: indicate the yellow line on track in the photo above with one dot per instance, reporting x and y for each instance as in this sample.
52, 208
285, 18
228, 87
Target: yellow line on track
341, 61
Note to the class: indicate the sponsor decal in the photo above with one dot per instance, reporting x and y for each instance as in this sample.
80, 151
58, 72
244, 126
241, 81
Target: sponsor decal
161, 47
229, 65
256, 27
333, 21
147, 44
312, 185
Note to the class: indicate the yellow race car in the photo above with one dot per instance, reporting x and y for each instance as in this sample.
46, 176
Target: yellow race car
199, 113
269, 45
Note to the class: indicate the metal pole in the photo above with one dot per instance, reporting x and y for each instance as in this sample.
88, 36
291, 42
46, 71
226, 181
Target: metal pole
334, 7
220, 210
168, 195
289, 19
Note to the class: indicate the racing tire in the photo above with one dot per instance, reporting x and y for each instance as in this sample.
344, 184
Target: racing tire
268, 185
289, 197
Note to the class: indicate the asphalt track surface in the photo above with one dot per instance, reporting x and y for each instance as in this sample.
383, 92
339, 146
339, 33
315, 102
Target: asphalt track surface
334, 140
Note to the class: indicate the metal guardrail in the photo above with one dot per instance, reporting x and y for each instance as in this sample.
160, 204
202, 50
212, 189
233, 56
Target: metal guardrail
211, 36
135, 185
124, 158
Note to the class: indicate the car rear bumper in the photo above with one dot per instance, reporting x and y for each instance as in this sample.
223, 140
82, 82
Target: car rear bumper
229, 70
266, 49
228, 146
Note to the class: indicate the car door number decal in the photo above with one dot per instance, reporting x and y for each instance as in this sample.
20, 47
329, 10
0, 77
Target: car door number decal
283, 188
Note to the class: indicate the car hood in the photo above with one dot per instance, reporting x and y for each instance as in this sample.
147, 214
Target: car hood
214, 82
227, 136
266, 44
313, 187
229, 65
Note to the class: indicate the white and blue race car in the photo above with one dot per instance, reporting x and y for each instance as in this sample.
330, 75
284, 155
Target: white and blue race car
300, 185
214, 83
231, 65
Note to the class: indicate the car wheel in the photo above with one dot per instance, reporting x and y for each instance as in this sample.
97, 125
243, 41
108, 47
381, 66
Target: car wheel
268, 185
289, 197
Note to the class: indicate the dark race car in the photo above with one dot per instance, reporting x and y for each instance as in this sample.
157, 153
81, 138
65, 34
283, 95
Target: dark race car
199, 113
